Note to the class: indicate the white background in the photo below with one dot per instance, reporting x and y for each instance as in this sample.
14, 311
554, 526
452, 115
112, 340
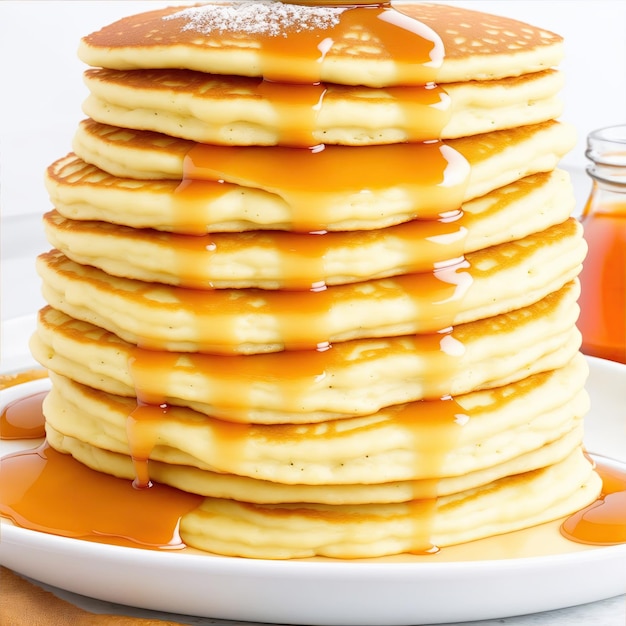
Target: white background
42, 91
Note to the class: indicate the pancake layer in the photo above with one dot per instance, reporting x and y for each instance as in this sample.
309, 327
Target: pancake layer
229, 321
281, 259
235, 196
242, 111
312, 386
238, 41
420, 441
304, 530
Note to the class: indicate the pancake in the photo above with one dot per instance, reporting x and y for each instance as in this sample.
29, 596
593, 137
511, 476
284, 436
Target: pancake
279, 259
231, 321
81, 191
224, 39
234, 487
421, 441
304, 530
234, 110
350, 378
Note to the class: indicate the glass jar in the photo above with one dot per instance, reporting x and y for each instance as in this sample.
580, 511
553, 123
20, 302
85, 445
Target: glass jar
602, 318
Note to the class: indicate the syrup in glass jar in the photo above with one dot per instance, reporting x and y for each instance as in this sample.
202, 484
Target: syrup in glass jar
602, 318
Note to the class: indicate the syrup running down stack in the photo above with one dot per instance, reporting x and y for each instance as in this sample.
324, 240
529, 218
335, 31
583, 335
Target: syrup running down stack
315, 264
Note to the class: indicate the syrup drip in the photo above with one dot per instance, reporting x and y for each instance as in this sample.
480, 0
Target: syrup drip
349, 175
425, 110
304, 256
141, 429
299, 372
603, 522
289, 104
300, 54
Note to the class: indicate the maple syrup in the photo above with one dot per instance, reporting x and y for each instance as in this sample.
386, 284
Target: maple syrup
603, 522
23, 418
602, 318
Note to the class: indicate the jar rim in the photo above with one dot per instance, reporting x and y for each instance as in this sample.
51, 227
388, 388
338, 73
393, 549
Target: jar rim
607, 146
613, 134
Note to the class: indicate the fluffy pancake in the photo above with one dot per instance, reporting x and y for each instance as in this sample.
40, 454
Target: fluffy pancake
278, 259
304, 530
227, 321
350, 378
82, 191
234, 110
220, 485
224, 39
419, 441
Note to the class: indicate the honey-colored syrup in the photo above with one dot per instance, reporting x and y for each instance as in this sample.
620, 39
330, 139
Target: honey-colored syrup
23, 418
18, 378
47, 491
298, 56
431, 175
604, 521
602, 318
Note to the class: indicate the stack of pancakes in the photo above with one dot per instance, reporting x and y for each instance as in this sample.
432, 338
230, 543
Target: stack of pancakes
316, 263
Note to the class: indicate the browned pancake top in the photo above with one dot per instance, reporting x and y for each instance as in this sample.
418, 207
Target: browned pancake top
296, 43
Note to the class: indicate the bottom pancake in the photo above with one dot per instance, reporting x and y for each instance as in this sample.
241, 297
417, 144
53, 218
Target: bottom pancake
298, 530
301, 530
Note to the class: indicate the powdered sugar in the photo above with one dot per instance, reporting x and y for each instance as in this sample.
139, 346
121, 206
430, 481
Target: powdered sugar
265, 17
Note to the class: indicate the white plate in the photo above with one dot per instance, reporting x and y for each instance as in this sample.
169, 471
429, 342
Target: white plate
519, 573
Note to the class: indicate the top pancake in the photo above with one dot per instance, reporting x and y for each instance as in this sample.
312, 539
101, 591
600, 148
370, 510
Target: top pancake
414, 44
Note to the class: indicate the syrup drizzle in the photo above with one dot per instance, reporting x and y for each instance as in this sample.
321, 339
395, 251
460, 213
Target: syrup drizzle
294, 44
323, 176
299, 56
17, 378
